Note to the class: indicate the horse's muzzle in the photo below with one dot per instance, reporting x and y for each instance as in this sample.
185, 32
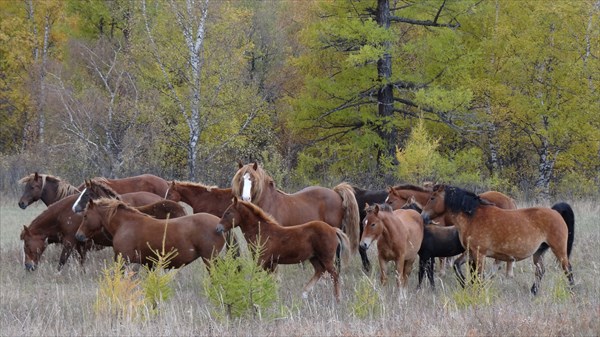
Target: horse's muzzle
80, 236
364, 245
426, 219
22, 205
220, 229
30, 266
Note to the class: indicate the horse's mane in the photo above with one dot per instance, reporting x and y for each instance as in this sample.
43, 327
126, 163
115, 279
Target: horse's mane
459, 200
412, 187
193, 184
114, 204
64, 188
102, 183
382, 207
259, 212
261, 178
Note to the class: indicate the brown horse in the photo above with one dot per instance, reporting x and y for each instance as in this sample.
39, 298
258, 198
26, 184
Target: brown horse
136, 235
44, 187
58, 224
509, 235
398, 233
202, 198
315, 241
400, 195
336, 206
145, 182
98, 188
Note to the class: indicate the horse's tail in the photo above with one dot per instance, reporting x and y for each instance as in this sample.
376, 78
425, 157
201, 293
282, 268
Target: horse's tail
343, 250
350, 220
567, 214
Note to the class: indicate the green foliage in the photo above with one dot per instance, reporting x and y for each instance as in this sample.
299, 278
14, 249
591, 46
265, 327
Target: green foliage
367, 302
239, 287
478, 291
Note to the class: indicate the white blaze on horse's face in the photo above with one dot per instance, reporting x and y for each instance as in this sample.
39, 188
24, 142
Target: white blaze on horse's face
78, 200
247, 188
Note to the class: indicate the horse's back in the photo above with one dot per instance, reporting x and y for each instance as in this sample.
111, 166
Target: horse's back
143, 182
140, 198
412, 221
499, 199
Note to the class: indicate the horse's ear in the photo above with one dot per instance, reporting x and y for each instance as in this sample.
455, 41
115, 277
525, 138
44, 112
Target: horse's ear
172, 183
25, 229
255, 166
88, 183
376, 209
234, 200
90, 203
240, 164
390, 189
35, 176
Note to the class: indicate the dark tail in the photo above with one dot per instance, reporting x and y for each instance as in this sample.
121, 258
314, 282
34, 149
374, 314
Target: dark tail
567, 214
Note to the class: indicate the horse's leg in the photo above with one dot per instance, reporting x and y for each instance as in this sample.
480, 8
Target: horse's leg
408, 265
458, 268
565, 264
510, 267
538, 262
383, 270
319, 271
423, 262
64, 254
400, 271
335, 277
443, 263
429, 270
365, 260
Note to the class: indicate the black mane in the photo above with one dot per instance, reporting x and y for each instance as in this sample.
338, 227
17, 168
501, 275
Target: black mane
459, 200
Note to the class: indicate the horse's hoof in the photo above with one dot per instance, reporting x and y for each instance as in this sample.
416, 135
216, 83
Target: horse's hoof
534, 289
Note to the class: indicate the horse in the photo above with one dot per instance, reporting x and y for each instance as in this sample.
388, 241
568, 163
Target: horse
398, 233
400, 195
98, 188
202, 198
144, 182
363, 197
438, 241
336, 206
44, 187
137, 236
315, 241
508, 235
59, 223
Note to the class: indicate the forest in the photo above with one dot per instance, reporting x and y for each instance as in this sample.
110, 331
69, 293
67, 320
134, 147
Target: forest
489, 94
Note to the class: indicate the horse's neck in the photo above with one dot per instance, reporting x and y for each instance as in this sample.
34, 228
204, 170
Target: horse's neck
253, 225
121, 216
49, 192
46, 223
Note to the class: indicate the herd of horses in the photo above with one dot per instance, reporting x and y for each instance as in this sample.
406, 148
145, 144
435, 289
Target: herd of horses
139, 215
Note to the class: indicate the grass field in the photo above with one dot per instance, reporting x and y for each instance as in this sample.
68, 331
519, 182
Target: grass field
50, 303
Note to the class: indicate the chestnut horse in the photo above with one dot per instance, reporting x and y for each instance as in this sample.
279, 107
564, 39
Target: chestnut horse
202, 198
399, 195
364, 196
44, 187
398, 233
98, 188
315, 241
509, 235
145, 182
135, 234
58, 224
336, 206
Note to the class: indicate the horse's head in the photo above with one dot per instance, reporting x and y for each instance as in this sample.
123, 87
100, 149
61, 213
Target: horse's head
230, 217
32, 189
436, 204
396, 197
93, 219
413, 204
372, 225
173, 193
249, 182
33, 247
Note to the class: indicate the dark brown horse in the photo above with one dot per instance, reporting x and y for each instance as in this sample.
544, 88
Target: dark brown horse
364, 196
98, 188
202, 198
400, 195
336, 206
44, 187
135, 234
398, 233
58, 224
508, 235
315, 241
145, 182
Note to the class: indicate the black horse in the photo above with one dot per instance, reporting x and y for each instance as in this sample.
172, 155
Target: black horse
438, 241
367, 197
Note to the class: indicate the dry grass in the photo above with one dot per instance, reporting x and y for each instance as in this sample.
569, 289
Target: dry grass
48, 303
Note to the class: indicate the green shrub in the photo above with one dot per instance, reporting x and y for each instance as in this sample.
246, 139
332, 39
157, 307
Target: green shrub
239, 286
367, 302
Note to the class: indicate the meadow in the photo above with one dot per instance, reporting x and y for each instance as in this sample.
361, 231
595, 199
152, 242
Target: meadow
46, 302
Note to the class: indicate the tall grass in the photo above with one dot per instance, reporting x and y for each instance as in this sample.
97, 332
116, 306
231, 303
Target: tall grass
50, 303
